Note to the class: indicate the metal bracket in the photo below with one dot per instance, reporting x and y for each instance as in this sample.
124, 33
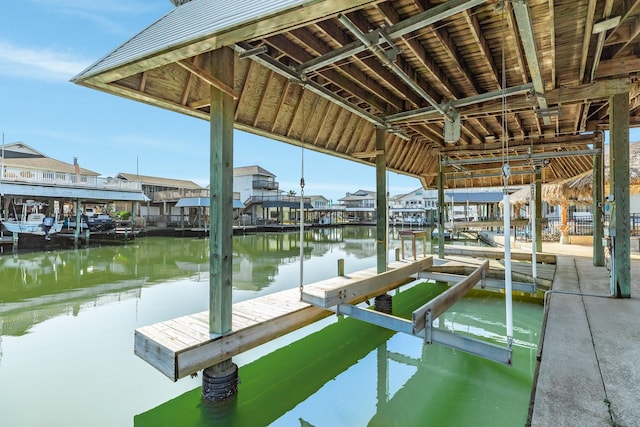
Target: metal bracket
452, 125
253, 52
428, 328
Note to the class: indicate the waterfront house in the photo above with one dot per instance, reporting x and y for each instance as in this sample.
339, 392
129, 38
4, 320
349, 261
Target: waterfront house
324, 211
360, 206
163, 194
417, 207
263, 201
29, 175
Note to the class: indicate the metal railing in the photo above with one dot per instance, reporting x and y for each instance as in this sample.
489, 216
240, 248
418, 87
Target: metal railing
583, 225
275, 198
264, 184
65, 179
177, 194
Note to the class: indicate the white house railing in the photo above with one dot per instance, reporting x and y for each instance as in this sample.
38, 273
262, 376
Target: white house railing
65, 179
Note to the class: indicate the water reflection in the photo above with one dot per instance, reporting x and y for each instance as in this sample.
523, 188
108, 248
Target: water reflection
37, 286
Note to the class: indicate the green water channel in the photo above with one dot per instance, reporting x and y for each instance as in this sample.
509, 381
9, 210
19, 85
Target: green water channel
66, 342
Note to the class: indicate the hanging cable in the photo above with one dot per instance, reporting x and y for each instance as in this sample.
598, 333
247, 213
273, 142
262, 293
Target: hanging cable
301, 219
506, 172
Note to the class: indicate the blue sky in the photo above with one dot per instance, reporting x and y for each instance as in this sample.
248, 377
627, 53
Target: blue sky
44, 43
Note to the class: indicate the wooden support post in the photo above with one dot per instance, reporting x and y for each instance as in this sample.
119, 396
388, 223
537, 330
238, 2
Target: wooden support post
221, 195
76, 232
341, 267
381, 200
619, 176
134, 208
598, 200
538, 205
220, 382
441, 210
564, 233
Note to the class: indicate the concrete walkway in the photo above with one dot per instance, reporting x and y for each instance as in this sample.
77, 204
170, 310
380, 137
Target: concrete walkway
589, 369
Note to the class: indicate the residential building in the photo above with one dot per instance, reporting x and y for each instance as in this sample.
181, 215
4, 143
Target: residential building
417, 207
163, 194
263, 201
27, 175
360, 206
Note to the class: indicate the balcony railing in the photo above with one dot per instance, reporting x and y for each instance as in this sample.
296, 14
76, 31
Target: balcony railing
177, 194
264, 184
275, 198
34, 176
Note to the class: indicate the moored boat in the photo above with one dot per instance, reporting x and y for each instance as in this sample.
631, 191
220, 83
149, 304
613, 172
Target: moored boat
35, 223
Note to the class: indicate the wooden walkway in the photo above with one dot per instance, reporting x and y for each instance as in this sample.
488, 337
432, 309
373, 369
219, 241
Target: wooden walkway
520, 271
497, 253
183, 346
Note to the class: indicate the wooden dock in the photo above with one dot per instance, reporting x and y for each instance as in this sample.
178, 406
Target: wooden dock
497, 253
521, 271
515, 222
183, 346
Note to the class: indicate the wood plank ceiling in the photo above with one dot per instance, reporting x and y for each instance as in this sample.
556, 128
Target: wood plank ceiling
528, 80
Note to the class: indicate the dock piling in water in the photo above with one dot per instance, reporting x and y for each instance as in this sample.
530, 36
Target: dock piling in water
220, 381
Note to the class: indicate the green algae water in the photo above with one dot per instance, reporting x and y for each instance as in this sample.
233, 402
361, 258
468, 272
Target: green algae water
66, 342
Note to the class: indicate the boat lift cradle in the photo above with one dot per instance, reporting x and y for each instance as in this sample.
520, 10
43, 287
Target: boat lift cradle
422, 322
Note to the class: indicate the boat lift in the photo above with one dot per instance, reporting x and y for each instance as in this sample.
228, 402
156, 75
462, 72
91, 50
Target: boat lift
422, 322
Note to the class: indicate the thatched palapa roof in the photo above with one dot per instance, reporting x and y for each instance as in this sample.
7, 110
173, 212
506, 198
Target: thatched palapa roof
579, 189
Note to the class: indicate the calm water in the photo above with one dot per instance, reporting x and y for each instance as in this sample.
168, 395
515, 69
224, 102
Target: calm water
66, 343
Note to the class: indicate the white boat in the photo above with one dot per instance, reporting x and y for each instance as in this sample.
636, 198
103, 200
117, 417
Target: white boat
35, 223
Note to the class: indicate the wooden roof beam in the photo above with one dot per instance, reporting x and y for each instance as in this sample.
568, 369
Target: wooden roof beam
389, 63
552, 53
207, 77
443, 37
601, 29
525, 29
285, 71
379, 102
586, 39
391, 80
350, 72
390, 15
595, 91
476, 99
416, 22
476, 33
627, 30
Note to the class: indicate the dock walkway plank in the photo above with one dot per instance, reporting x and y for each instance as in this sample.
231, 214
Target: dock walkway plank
183, 346
520, 270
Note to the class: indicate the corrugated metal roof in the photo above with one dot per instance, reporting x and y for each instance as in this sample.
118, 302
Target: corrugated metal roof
46, 164
159, 181
72, 193
192, 21
251, 170
195, 202
30, 158
474, 196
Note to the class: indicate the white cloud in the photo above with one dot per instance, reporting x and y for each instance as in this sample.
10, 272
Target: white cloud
41, 64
